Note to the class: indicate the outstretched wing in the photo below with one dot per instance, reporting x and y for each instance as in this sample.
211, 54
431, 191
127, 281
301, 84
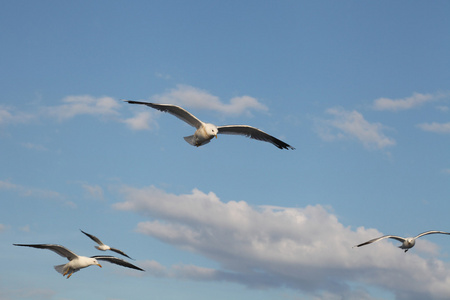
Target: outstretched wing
175, 110
398, 238
93, 237
117, 261
431, 232
58, 249
253, 133
120, 252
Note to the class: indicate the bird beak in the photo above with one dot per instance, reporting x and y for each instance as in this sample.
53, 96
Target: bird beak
216, 136
99, 265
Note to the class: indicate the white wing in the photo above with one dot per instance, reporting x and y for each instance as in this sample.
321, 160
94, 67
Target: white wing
177, 111
431, 232
58, 249
117, 261
253, 133
398, 238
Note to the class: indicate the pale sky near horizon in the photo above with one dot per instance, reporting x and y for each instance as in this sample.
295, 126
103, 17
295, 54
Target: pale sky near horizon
361, 90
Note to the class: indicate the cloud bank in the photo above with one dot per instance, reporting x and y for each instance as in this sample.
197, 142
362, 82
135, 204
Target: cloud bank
305, 249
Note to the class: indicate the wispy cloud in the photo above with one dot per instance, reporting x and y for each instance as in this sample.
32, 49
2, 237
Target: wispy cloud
83, 105
191, 97
24, 191
265, 246
352, 124
435, 127
9, 115
415, 100
93, 191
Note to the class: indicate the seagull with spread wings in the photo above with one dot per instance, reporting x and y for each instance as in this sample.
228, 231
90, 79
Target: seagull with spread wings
78, 262
206, 131
102, 246
407, 243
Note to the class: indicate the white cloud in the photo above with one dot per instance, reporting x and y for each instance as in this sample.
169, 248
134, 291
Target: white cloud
415, 100
265, 246
83, 105
141, 121
435, 127
191, 97
24, 191
351, 124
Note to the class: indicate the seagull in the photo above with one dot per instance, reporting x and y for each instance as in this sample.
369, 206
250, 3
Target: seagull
206, 131
78, 262
102, 246
407, 243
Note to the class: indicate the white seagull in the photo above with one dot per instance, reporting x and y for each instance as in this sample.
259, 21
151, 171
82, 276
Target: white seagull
206, 131
407, 243
102, 246
78, 262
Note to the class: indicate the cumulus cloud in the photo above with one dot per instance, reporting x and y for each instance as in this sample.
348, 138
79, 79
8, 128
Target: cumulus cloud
31, 192
266, 246
415, 100
435, 127
191, 97
83, 105
352, 124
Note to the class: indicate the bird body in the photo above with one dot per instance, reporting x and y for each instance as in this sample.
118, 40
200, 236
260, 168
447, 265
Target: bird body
78, 262
407, 243
206, 131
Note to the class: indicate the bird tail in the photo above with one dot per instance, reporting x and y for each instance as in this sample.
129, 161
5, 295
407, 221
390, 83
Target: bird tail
60, 269
190, 140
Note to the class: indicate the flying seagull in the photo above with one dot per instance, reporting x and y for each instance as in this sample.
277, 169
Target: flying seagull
78, 262
206, 131
102, 246
407, 243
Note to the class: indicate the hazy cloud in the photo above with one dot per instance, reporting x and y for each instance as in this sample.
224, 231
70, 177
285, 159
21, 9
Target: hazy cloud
415, 100
352, 124
24, 191
266, 246
435, 127
141, 120
83, 105
10, 116
94, 191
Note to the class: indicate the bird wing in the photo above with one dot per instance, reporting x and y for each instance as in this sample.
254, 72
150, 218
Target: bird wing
253, 133
58, 249
119, 251
431, 232
381, 238
175, 110
117, 261
93, 237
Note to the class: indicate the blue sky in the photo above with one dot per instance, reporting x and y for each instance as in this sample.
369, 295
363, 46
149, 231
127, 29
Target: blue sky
360, 89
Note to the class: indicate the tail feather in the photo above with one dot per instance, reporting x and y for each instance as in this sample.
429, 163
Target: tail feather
60, 269
190, 139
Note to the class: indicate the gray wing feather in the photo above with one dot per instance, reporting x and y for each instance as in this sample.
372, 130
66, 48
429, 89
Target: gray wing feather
431, 232
253, 133
398, 238
93, 237
117, 261
120, 252
58, 249
175, 110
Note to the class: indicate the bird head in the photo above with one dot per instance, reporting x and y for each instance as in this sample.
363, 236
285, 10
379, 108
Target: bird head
211, 130
95, 262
